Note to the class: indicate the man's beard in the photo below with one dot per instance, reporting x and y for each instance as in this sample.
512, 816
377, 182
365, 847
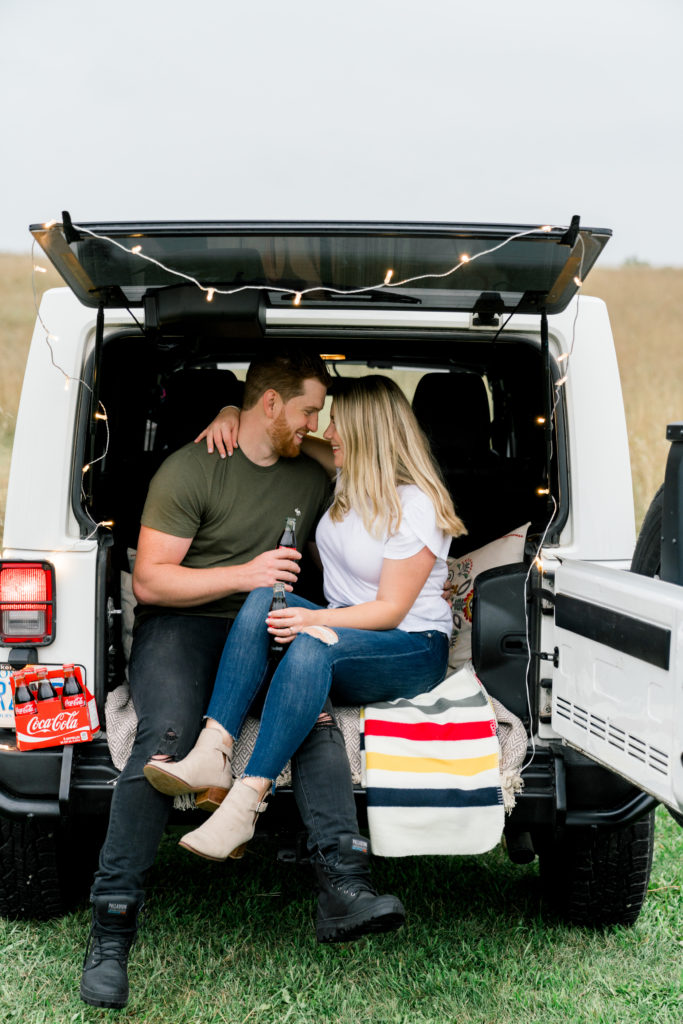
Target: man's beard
282, 438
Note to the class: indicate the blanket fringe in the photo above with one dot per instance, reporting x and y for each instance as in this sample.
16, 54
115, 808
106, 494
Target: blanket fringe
511, 783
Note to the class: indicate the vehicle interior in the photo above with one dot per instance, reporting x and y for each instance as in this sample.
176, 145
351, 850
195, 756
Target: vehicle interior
480, 403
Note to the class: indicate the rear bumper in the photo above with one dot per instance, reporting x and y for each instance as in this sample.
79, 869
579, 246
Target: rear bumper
564, 789
56, 781
561, 788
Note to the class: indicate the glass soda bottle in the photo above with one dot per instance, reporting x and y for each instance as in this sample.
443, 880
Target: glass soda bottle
276, 649
23, 698
72, 691
288, 537
45, 688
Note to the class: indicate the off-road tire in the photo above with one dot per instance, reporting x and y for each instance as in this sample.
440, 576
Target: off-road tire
45, 867
647, 561
647, 557
598, 878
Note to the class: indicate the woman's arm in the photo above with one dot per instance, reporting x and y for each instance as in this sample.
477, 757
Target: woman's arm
400, 583
222, 432
320, 450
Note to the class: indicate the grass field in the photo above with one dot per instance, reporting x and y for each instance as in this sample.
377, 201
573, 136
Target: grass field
234, 943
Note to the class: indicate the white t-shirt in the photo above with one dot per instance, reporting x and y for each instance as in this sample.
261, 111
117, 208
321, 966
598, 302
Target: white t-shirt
352, 560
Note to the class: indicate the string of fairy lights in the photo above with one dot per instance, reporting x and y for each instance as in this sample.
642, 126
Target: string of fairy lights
388, 282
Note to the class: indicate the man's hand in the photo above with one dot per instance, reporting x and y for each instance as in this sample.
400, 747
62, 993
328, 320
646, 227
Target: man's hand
270, 568
222, 432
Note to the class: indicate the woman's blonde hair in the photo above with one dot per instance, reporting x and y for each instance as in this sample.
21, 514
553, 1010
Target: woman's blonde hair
384, 447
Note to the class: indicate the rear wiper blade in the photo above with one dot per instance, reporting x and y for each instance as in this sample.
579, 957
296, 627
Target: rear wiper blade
322, 294
373, 295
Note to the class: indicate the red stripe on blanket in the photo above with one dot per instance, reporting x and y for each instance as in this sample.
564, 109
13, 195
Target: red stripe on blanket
430, 730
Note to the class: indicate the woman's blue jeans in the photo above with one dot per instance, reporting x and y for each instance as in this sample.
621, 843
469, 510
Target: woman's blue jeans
363, 667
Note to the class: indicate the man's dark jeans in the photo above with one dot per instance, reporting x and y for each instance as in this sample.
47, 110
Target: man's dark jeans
172, 670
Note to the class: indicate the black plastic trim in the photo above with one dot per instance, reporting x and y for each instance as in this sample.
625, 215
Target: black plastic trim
639, 805
614, 629
20, 807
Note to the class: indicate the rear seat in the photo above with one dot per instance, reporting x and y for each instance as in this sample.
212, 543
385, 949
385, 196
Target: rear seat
492, 494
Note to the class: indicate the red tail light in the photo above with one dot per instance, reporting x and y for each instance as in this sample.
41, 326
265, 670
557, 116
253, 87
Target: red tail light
27, 603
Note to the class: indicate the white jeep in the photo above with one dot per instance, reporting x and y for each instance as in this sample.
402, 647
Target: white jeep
514, 378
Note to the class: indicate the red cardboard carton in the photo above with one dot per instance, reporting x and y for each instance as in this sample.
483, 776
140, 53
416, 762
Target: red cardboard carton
57, 720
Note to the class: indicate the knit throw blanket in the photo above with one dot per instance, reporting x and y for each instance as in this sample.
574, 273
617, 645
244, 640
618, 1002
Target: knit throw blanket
432, 771
121, 727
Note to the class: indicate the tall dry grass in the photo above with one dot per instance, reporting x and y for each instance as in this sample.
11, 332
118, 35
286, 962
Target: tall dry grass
646, 310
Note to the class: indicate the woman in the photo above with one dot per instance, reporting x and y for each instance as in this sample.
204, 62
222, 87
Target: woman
384, 633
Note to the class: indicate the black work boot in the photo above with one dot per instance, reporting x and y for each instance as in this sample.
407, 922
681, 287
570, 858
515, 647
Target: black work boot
104, 981
348, 904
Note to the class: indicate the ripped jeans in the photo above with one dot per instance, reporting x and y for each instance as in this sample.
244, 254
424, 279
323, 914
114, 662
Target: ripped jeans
363, 666
172, 670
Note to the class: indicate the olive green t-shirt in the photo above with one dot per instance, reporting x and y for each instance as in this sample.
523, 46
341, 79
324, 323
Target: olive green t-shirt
232, 508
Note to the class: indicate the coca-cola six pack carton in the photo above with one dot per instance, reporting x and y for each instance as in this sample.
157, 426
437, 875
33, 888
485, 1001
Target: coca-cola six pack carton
52, 707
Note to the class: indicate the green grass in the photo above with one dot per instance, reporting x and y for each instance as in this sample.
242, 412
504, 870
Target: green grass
235, 943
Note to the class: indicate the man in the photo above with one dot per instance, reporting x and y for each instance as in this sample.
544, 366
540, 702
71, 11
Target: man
206, 540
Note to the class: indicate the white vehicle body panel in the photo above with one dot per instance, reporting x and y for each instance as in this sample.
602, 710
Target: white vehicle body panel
40, 523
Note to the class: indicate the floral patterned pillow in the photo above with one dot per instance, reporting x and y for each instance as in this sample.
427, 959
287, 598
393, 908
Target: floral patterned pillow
462, 573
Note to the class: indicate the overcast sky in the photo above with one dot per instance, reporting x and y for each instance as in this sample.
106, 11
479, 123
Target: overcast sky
514, 111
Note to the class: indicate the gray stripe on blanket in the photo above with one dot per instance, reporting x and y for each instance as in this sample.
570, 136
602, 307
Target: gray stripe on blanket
477, 700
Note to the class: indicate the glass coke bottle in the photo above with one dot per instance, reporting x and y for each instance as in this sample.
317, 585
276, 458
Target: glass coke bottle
276, 648
288, 536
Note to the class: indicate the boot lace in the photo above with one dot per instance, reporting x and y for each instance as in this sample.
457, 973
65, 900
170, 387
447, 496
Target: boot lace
108, 944
350, 885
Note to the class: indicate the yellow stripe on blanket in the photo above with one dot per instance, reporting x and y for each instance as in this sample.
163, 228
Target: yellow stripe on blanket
450, 766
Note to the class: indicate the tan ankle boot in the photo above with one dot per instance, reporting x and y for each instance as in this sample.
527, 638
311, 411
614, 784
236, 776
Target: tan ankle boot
206, 771
227, 832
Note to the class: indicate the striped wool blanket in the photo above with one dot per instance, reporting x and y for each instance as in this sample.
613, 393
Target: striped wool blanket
431, 769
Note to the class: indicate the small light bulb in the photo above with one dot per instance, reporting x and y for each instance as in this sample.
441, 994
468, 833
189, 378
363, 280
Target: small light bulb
210, 294
100, 416
297, 299
561, 381
546, 227
107, 522
49, 223
388, 276
52, 337
464, 258
542, 490
86, 468
561, 359
66, 383
538, 562
40, 270
136, 249
577, 281
540, 420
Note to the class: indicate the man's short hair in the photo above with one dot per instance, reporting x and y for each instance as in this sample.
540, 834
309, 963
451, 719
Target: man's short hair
283, 373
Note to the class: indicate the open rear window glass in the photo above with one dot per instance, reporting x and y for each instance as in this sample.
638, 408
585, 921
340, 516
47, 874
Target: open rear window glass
433, 266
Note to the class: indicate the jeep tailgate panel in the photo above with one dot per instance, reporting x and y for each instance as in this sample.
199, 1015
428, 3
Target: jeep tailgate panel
618, 688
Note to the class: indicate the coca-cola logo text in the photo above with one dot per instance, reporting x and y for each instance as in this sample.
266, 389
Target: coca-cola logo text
63, 722
29, 708
76, 701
